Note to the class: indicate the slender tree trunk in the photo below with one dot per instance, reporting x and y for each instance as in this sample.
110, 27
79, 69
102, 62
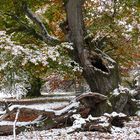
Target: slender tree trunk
35, 88
99, 70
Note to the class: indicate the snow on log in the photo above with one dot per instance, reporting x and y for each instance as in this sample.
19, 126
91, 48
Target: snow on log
103, 123
91, 98
85, 113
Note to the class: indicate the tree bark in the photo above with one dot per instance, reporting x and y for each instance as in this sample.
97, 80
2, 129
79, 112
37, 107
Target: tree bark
99, 70
35, 88
46, 37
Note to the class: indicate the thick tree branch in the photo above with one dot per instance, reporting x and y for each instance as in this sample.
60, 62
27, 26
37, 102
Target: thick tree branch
24, 27
44, 33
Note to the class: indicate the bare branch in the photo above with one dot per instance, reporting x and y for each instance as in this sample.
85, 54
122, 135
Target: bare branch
44, 33
14, 125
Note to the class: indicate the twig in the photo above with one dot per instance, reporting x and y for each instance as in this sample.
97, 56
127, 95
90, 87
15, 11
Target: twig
14, 124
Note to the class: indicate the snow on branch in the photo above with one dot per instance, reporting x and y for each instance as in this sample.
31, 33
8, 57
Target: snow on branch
44, 33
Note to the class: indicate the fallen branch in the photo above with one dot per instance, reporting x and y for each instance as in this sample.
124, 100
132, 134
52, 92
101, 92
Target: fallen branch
14, 125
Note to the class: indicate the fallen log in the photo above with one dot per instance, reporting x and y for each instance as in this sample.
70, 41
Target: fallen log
103, 123
6, 127
36, 100
28, 115
89, 107
6, 130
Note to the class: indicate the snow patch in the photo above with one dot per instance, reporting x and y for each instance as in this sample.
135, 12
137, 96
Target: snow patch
77, 124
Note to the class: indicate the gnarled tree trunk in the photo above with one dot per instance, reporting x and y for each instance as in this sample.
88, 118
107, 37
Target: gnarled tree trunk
99, 70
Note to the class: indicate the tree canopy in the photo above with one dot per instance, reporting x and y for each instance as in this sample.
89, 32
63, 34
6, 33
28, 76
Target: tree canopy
34, 39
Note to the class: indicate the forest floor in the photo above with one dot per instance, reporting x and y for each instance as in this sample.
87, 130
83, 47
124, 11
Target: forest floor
131, 130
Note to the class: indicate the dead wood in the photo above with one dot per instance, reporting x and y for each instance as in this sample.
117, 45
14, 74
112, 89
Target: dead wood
6, 130
85, 105
104, 123
91, 99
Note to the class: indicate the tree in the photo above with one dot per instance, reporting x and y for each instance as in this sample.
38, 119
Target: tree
25, 65
96, 65
92, 42
92, 37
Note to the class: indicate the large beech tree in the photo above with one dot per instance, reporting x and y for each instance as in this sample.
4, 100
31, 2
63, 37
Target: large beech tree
76, 22
99, 70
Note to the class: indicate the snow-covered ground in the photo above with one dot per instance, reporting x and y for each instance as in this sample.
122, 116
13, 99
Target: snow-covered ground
131, 131
4, 95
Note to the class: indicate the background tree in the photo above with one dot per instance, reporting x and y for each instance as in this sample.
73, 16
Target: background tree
30, 65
